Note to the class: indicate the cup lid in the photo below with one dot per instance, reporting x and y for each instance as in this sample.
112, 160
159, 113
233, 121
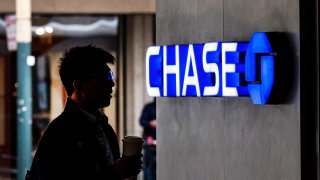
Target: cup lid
132, 139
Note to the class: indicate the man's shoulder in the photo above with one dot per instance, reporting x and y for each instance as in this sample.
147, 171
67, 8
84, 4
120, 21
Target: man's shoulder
56, 127
62, 130
70, 124
150, 105
58, 122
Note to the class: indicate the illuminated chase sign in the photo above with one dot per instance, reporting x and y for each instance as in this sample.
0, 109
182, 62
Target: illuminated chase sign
212, 69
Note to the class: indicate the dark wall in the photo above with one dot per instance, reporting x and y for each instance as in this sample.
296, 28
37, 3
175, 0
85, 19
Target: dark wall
229, 138
309, 88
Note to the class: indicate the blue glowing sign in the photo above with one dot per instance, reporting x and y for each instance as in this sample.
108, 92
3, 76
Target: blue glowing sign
212, 69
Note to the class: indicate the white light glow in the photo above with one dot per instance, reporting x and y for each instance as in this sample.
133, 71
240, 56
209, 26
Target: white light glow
40, 31
49, 29
31, 60
99, 27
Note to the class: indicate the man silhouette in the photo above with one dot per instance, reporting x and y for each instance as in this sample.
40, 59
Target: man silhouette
80, 144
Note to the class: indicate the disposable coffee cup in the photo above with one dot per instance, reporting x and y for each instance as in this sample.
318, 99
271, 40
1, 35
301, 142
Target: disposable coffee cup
132, 145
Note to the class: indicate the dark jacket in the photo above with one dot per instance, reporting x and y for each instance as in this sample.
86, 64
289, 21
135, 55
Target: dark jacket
148, 114
69, 149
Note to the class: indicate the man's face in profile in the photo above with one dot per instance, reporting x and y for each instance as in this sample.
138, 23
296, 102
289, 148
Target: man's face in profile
98, 88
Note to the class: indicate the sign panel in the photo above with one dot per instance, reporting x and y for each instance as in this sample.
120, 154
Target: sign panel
212, 69
11, 32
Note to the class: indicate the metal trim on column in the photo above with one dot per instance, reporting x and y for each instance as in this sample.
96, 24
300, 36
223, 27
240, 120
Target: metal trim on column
24, 95
24, 111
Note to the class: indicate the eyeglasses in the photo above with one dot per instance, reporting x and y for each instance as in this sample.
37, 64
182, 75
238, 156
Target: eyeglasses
108, 77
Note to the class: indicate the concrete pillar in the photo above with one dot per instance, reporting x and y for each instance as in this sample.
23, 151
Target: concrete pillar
228, 138
24, 95
139, 33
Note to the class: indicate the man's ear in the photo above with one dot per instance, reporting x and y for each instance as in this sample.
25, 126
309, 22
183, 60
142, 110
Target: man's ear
77, 85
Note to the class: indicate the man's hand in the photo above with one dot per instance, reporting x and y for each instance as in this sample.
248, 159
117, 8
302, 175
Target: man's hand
153, 123
128, 166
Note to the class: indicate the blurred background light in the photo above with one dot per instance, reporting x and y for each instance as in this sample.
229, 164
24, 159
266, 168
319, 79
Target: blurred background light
31, 60
76, 26
40, 31
49, 29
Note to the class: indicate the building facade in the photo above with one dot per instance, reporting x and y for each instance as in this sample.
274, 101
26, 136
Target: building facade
230, 138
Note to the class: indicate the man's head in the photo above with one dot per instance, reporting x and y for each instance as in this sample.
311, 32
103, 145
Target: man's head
86, 76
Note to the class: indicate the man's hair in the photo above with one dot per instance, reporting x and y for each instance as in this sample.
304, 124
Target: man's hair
78, 62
